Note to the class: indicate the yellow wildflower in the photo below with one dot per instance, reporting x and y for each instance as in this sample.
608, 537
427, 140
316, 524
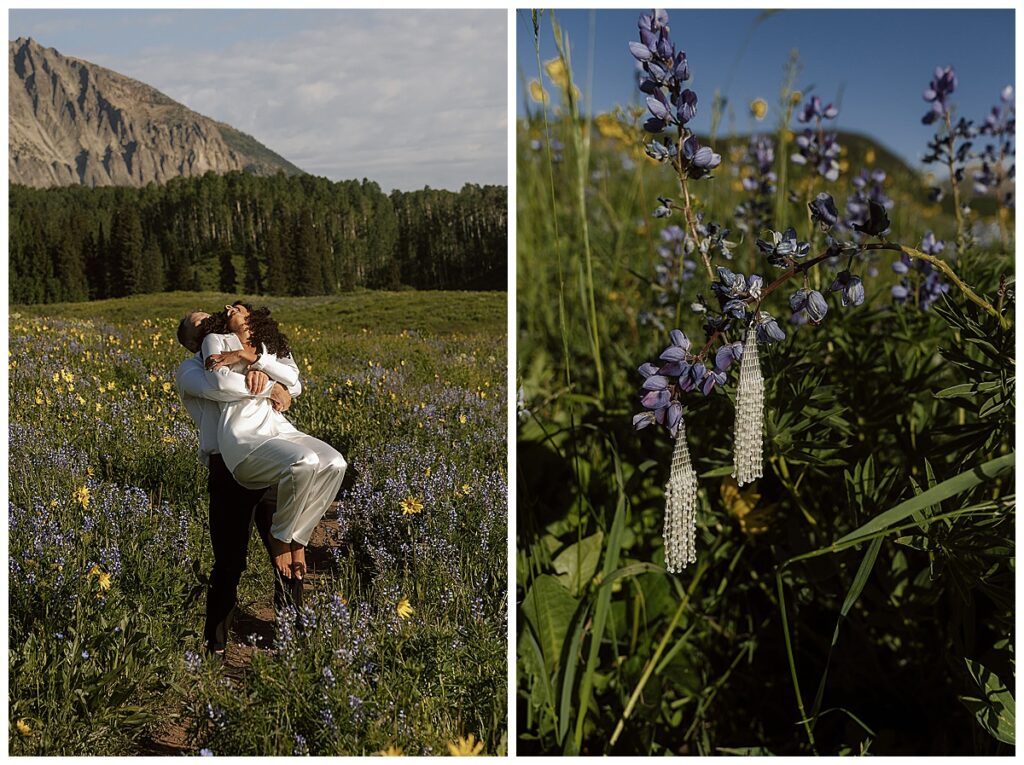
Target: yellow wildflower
796, 97
411, 506
167, 387
465, 746
95, 570
404, 609
82, 496
391, 751
23, 727
758, 108
556, 71
869, 157
537, 92
610, 127
104, 580
152, 378
462, 419
466, 489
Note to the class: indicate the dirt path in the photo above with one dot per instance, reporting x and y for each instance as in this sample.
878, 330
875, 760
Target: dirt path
255, 619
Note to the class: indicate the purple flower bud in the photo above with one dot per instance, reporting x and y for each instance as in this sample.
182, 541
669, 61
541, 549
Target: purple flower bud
817, 307
640, 51
798, 300
823, 210
642, 420
656, 383
687, 106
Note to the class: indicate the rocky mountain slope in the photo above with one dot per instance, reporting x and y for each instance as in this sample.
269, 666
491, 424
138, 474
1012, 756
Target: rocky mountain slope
72, 122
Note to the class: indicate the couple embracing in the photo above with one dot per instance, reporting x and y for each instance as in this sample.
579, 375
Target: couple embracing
237, 387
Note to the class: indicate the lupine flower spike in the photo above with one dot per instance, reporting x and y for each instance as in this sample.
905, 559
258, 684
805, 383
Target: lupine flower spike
749, 413
680, 508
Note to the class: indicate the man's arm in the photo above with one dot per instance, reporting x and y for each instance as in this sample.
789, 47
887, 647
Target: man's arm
193, 380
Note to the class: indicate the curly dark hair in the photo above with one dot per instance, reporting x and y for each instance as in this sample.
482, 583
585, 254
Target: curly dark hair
263, 329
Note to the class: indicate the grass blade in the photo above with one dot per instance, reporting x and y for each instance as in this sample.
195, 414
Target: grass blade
949, 488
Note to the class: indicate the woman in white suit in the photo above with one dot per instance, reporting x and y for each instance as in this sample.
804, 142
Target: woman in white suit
259, 445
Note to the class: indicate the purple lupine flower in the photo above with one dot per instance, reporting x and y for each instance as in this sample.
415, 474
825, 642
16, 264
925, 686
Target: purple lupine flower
810, 301
902, 266
823, 209
818, 152
814, 110
852, 288
867, 188
939, 89
701, 160
768, 330
663, 72
660, 152
727, 354
758, 179
782, 247
931, 246
877, 221
675, 355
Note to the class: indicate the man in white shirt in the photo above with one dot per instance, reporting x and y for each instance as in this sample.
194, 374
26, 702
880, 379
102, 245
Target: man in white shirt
232, 506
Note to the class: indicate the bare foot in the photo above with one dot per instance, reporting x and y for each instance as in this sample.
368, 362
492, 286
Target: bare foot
298, 560
281, 554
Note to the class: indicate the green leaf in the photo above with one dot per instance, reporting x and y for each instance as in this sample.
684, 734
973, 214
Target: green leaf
577, 564
856, 588
948, 488
996, 712
967, 389
549, 609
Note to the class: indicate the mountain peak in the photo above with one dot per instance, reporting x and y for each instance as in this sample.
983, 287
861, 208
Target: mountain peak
73, 122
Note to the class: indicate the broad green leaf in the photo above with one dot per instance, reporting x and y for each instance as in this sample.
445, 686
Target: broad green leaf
549, 609
996, 712
577, 564
948, 488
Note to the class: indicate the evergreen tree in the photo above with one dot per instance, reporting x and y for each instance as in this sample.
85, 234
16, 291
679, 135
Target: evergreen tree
127, 273
228, 277
253, 283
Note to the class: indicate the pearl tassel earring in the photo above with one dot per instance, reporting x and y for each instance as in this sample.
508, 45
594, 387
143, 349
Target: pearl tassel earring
680, 508
749, 413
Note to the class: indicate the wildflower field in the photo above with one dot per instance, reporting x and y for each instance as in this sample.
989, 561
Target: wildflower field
404, 648
765, 431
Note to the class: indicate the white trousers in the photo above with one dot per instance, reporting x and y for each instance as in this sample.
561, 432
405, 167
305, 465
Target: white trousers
307, 473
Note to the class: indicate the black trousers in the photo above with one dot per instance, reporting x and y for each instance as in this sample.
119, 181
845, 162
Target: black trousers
232, 511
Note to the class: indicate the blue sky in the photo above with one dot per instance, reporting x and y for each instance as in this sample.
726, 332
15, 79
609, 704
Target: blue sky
385, 95
878, 61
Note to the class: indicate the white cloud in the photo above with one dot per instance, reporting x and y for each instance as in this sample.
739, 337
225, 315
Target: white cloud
405, 98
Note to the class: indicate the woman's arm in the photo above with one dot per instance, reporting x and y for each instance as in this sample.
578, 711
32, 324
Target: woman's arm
222, 379
283, 370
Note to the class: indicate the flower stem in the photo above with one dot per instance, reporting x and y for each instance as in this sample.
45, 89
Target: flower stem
653, 661
910, 252
688, 204
961, 239
946, 269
